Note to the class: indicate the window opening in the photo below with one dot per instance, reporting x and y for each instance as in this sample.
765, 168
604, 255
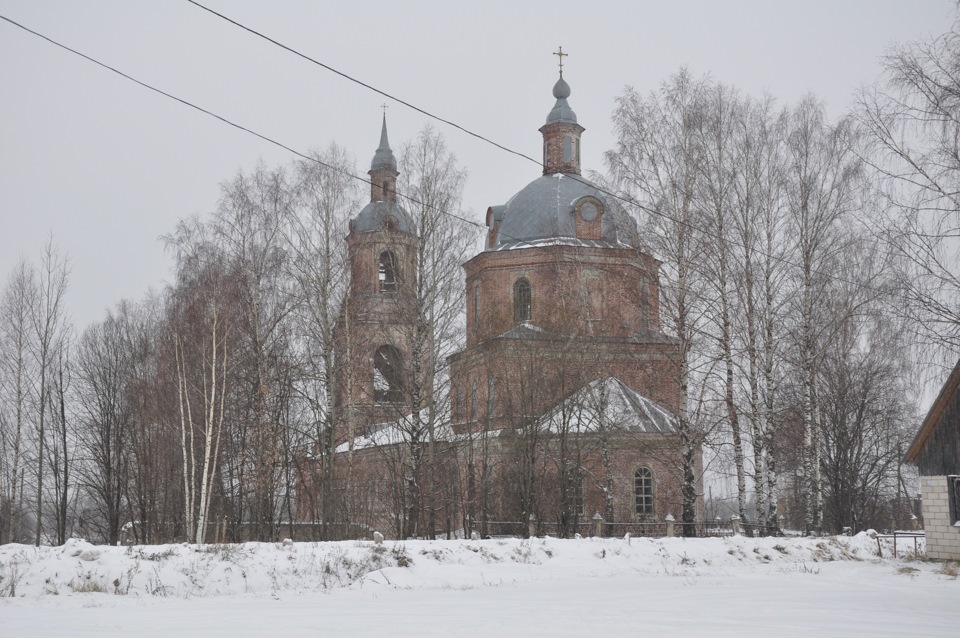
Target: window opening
387, 375
953, 494
521, 300
643, 491
644, 304
473, 401
388, 272
594, 299
491, 397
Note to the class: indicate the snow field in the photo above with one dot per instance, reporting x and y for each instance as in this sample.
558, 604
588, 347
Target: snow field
729, 586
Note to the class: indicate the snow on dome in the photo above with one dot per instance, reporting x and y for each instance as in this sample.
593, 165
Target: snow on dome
545, 209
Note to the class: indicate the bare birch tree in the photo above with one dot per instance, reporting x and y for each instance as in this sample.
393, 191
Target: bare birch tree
200, 336
326, 197
821, 190
48, 323
17, 377
432, 185
912, 126
656, 161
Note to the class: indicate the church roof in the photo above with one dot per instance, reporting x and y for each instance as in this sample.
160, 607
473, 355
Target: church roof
372, 218
527, 331
606, 403
374, 214
561, 111
383, 158
612, 404
545, 209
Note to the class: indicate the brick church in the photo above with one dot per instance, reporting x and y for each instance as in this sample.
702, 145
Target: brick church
561, 404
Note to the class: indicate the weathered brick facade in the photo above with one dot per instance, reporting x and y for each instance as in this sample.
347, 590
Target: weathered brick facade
561, 299
380, 315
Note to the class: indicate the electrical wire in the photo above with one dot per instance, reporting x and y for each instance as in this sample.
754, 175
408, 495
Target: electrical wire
627, 200
360, 82
230, 122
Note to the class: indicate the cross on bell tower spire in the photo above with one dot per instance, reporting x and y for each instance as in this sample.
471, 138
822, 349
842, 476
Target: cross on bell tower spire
560, 54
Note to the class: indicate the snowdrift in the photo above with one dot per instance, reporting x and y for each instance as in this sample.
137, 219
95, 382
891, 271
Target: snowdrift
188, 571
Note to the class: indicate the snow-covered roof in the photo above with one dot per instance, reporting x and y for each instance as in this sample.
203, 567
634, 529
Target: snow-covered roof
605, 403
543, 213
612, 404
395, 432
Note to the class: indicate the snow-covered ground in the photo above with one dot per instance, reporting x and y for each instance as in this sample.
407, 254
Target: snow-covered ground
491, 588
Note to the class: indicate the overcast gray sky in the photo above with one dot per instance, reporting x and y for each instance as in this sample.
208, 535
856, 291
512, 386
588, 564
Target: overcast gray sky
108, 166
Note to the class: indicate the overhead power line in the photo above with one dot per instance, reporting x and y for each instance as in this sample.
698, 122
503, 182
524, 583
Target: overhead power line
227, 121
412, 200
627, 200
349, 77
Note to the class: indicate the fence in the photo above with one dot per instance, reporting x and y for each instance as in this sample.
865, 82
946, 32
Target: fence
223, 531
915, 536
598, 527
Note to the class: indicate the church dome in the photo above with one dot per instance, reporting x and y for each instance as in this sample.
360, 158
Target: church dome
546, 209
383, 212
382, 216
561, 111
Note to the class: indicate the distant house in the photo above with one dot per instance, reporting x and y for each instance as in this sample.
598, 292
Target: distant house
936, 451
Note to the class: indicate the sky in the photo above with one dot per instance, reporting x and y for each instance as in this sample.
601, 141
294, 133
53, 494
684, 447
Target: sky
107, 167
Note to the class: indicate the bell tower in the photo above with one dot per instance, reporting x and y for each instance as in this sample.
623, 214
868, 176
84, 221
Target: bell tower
561, 133
376, 336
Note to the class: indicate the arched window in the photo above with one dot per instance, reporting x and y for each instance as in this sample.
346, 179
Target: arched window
491, 397
476, 306
473, 401
567, 149
388, 276
644, 304
594, 299
521, 300
643, 491
388, 384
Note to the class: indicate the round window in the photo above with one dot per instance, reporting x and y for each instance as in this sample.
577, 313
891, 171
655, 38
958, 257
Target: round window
588, 211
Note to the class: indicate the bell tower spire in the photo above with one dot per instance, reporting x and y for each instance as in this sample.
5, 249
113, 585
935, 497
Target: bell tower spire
561, 133
383, 170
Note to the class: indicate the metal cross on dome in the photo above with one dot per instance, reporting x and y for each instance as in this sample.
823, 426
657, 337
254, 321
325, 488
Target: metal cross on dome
560, 54
384, 106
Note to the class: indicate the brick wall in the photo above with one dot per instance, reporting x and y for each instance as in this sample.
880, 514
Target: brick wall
943, 539
563, 282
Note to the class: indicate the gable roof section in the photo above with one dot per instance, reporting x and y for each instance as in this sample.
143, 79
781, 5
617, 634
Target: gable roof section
603, 403
933, 416
612, 404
